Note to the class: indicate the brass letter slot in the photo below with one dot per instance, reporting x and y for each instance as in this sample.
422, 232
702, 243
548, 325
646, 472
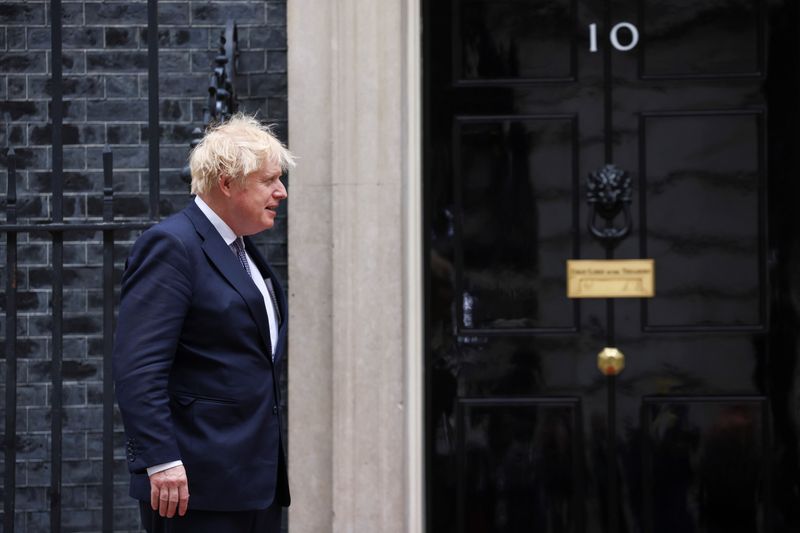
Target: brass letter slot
612, 278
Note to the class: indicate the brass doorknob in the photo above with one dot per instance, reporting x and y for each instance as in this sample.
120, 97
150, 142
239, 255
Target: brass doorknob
611, 361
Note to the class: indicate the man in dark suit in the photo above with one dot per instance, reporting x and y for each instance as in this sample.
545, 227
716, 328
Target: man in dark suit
200, 337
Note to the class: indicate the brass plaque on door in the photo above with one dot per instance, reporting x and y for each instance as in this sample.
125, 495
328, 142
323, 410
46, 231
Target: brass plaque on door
611, 278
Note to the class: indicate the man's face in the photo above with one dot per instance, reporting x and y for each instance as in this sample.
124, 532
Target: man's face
253, 205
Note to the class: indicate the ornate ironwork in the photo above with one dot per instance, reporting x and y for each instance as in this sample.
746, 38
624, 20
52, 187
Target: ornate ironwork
222, 101
609, 194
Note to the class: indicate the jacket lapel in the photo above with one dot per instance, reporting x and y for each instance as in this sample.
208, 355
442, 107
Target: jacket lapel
230, 268
280, 297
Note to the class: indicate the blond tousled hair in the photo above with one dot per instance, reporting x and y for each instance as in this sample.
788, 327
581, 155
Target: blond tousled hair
235, 148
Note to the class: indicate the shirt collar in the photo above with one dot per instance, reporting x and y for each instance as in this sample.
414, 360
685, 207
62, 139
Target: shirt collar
223, 229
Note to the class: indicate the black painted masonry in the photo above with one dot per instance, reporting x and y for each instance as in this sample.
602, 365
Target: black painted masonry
105, 97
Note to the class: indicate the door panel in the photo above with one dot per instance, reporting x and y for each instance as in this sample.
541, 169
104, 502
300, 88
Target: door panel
699, 432
518, 464
511, 173
705, 464
519, 40
702, 219
686, 38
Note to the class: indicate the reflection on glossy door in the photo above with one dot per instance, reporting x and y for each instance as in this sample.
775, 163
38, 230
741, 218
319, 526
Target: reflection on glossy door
702, 113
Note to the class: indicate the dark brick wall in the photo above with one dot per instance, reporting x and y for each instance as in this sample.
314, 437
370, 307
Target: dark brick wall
105, 98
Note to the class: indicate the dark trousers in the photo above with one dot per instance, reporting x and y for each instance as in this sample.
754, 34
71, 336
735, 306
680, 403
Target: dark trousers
196, 521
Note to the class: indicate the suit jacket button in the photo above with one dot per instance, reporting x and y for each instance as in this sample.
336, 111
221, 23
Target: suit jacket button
274, 409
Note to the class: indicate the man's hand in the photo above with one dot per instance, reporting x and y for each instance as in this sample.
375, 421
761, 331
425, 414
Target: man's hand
169, 489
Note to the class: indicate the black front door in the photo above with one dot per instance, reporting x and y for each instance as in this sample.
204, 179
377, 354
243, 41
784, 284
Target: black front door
697, 101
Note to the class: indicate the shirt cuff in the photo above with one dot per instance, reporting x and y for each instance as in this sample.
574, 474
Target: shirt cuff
163, 466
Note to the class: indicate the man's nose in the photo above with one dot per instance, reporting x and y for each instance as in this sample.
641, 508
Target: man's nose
280, 192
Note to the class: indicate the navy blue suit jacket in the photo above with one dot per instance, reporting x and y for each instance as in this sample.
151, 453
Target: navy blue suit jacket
194, 375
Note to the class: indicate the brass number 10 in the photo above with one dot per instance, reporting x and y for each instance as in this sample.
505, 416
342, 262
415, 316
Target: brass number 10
613, 36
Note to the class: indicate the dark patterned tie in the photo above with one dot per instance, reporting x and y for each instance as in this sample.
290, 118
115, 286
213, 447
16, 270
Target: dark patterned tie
238, 249
271, 291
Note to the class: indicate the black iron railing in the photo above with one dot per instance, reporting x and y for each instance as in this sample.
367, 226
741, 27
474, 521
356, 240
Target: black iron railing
221, 103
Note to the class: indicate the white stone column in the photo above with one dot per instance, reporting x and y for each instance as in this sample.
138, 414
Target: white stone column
355, 386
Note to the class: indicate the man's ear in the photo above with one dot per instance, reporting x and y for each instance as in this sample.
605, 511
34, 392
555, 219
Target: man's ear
225, 184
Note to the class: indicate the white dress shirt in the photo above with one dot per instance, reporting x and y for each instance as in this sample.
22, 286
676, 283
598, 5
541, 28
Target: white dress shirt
229, 236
